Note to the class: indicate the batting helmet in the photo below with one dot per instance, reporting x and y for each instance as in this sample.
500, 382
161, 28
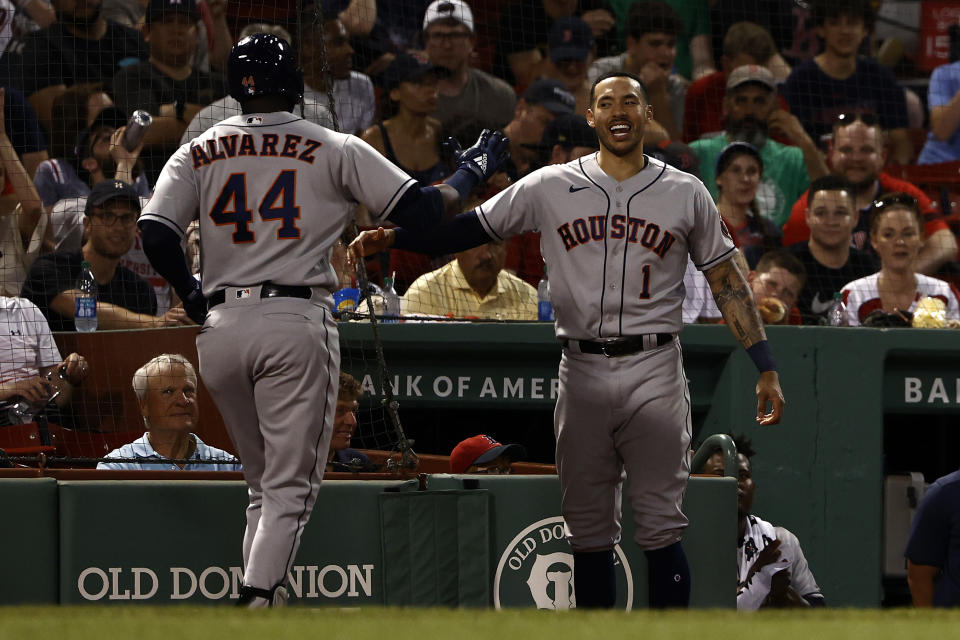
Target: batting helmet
261, 65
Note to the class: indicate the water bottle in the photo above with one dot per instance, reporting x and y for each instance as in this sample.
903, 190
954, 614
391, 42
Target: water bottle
85, 305
837, 313
136, 129
391, 302
544, 306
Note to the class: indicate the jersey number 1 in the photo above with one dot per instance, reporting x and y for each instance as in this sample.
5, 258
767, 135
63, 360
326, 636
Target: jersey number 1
279, 203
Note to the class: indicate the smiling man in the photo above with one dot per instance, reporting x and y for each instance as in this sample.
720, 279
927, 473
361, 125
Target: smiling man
166, 389
617, 229
341, 456
124, 299
828, 259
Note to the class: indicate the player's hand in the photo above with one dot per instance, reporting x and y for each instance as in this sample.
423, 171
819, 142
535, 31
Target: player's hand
175, 317
195, 305
119, 152
654, 77
768, 391
35, 389
600, 21
788, 125
769, 554
75, 368
368, 243
485, 157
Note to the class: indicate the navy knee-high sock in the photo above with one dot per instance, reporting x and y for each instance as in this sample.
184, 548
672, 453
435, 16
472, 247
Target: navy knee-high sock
668, 577
594, 581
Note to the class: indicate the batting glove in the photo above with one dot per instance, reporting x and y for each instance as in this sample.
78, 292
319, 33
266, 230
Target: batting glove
195, 305
485, 157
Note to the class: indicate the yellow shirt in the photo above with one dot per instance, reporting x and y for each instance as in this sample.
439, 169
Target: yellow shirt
446, 292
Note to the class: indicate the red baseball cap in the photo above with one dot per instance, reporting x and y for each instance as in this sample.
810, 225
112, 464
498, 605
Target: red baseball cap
481, 449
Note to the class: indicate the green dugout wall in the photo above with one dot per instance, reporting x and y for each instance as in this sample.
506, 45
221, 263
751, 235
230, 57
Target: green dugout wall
819, 473
462, 542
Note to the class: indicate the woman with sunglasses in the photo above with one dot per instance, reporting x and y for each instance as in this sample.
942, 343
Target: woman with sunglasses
739, 173
896, 234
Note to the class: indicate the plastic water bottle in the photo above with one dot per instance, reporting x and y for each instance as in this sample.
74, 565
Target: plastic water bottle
85, 306
391, 302
837, 313
544, 306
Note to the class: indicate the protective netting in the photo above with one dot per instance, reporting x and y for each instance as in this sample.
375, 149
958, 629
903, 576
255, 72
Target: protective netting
865, 92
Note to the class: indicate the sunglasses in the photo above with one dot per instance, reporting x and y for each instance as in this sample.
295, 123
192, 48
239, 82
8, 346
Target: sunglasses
846, 119
902, 199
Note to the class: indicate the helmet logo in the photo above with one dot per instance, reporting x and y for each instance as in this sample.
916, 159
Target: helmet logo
249, 84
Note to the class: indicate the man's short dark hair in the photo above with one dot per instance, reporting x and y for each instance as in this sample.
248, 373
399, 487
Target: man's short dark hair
350, 389
619, 74
652, 16
830, 182
785, 260
751, 39
824, 10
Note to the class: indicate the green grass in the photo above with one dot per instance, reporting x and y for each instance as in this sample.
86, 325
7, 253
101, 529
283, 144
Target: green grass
213, 623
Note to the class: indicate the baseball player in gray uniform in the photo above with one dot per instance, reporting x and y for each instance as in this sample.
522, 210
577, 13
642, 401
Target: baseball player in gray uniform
273, 193
616, 230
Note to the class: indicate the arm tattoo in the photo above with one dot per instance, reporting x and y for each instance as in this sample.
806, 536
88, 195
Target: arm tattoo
735, 301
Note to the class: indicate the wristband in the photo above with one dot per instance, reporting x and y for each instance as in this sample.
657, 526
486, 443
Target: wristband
463, 180
762, 356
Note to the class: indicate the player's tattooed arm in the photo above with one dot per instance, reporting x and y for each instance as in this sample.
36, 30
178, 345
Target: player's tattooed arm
735, 301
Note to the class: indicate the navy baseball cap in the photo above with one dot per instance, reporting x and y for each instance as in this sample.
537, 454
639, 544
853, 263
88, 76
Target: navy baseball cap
570, 39
568, 130
157, 9
107, 190
552, 95
734, 150
406, 68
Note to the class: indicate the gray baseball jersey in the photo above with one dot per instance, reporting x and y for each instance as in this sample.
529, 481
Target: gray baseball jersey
276, 192
616, 253
273, 193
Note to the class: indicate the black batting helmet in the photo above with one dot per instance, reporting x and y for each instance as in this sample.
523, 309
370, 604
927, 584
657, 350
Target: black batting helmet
261, 65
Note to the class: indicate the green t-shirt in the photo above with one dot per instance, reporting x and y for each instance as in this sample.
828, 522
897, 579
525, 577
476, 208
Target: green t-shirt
785, 176
695, 15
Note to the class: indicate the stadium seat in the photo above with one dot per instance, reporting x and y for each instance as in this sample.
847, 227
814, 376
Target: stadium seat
939, 181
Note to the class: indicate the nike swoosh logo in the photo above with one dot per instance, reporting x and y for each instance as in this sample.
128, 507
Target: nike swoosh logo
574, 189
819, 307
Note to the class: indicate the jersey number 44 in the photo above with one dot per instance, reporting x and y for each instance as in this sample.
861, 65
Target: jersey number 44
279, 203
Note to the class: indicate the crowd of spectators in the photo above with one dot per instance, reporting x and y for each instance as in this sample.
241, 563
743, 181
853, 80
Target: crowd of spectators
764, 116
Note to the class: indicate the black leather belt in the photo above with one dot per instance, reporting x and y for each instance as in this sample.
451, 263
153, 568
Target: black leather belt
618, 346
267, 290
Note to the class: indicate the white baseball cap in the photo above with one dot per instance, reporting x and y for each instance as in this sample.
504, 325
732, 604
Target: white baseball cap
456, 9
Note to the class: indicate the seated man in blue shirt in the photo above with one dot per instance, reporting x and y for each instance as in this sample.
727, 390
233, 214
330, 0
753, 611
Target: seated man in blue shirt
341, 456
166, 389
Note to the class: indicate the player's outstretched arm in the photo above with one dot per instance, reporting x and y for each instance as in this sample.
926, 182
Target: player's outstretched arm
735, 302
424, 208
462, 233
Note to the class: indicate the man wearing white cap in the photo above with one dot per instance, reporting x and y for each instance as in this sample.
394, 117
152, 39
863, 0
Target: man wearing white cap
467, 93
750, 112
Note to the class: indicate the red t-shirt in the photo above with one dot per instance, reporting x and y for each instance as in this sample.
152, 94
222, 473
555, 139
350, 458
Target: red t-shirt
796, 230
